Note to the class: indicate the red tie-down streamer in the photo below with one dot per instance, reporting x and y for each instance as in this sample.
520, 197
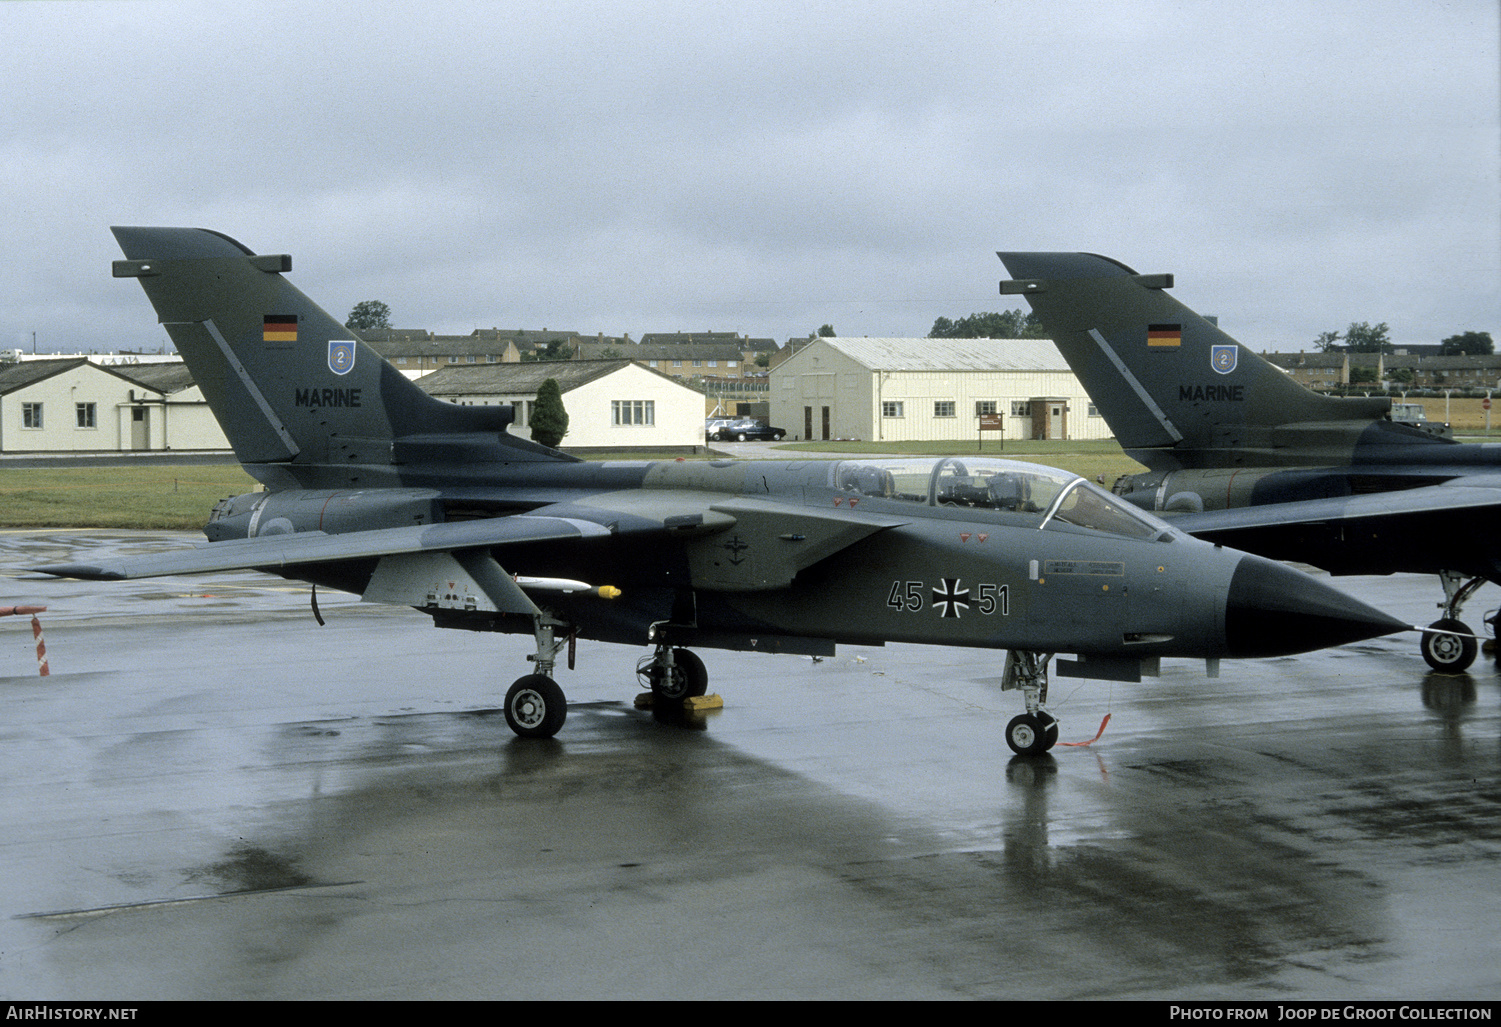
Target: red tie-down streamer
36, 631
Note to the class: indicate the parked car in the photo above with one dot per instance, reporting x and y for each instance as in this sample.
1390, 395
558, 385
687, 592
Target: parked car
745, 429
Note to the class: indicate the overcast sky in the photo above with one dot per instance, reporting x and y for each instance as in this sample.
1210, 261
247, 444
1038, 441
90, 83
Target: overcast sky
759, 166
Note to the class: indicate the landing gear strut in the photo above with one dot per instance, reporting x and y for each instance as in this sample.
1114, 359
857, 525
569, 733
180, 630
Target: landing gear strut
674, 674
535, 706
1034, 732
1452, 653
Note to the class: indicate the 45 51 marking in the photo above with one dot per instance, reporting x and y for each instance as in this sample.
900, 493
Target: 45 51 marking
950, 597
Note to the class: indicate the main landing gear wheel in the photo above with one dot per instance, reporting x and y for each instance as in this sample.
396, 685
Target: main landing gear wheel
535, 707
685, 679
1449, 653
1032, 734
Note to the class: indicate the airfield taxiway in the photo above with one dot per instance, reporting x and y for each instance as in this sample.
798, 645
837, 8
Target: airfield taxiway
212, 797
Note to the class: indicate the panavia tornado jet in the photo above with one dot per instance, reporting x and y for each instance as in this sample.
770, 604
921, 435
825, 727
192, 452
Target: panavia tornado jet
1239, 453
375, 488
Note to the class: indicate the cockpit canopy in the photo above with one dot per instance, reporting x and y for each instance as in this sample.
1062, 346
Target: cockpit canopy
1004, 491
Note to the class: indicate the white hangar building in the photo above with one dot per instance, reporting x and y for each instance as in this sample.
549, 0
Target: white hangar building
611, 404
71, 405
928, 390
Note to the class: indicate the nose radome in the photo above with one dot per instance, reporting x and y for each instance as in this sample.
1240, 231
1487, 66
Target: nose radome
1274, 610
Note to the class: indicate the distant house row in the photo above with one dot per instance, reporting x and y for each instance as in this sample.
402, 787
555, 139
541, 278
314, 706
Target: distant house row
416, 352
1321, 371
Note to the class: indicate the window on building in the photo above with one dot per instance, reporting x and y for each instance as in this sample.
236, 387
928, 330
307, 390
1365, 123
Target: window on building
943, 408
31, 415
85, 414
984, 406
1021, 408
891, 408
633, 412
713, 363
1094, 411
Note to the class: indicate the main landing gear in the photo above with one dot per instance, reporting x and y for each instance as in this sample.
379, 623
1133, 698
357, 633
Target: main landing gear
1452, 653
673, 674
535, 706
1036, 731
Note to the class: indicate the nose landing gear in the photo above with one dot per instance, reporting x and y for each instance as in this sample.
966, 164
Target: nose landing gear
1452, 653
1036, 731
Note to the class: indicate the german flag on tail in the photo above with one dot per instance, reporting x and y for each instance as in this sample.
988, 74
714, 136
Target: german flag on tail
1164, 336
280, 328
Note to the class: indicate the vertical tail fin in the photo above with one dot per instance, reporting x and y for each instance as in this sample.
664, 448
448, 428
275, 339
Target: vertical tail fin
1176, 390
294, 390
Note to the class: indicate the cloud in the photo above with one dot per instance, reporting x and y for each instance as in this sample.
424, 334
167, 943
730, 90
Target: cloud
763, 168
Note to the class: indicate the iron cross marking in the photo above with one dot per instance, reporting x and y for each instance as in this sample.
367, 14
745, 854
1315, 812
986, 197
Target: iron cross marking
949, 598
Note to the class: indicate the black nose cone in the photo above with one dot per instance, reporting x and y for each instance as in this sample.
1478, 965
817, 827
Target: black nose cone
1273, 610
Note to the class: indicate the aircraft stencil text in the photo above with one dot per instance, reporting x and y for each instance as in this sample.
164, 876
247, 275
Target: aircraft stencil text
328, 397
1197, 393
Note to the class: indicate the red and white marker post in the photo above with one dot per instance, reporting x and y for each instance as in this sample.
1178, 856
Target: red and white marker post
36, 632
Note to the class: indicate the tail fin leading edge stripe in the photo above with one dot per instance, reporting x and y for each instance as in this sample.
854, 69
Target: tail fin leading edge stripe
255, 393
1141, 393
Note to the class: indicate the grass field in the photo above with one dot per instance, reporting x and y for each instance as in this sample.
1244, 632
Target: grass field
178, 498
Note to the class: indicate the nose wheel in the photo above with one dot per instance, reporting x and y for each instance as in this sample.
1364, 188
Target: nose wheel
1032, 734
1036, 731
1452, 653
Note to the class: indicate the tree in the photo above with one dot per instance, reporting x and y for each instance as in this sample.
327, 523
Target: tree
1361, 337
1328, 341
1008, 324
1470, 344
549, 420
557, 349
368, 315
826, 332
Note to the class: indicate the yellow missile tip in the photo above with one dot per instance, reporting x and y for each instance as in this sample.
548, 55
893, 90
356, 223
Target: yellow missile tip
609, 592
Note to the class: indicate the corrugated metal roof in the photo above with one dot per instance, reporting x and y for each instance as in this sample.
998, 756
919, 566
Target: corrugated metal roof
478, 379
163, 377
951, 354
29, 372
